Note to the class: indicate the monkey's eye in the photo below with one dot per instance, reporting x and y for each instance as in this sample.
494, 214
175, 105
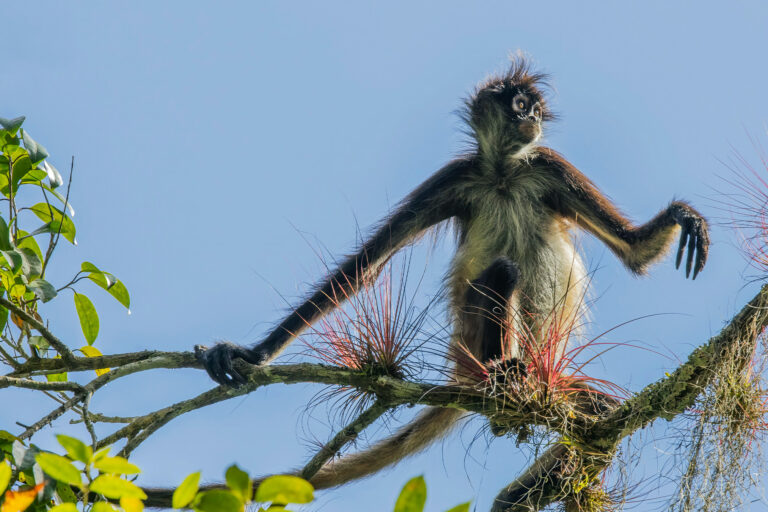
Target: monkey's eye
520, 104
537, 111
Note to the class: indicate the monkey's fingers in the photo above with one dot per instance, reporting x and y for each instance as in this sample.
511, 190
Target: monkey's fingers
681, 247
691, 252
218, 363
702, 250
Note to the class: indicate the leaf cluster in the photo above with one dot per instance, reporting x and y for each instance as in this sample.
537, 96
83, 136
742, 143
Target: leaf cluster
34, 216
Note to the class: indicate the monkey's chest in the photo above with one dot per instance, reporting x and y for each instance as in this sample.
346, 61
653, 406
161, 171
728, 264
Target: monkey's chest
502, 228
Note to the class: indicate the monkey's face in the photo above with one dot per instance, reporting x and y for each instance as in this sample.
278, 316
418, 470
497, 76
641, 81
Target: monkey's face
508, 112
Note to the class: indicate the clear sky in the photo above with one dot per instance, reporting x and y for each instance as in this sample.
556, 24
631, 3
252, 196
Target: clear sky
218, 145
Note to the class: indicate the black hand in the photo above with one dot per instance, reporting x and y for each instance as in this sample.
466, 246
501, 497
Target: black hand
218, 359
694, 235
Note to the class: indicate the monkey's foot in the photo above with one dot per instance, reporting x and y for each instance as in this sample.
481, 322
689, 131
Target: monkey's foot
506, 371
218, 360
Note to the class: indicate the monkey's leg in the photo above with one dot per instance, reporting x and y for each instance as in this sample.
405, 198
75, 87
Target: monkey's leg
488, 302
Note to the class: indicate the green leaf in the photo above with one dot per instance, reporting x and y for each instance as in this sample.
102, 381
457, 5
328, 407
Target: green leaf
129, 504
12, 125
218, 501
50, 214
7, 436
3, 317
54, 177
115, 487
89, 319
76, 449
36, 151
103, 506
5, 475
34, 176
42, 289
464, 507
240, 483
413, 496
21, 166
284, 489
13, 260
100, 454
107, 281
45, 228
59, 468
116, 465
184, 493
39, 343
103, 279
87, 266
65, 492
27, 242
66, 507
5, 238
31, 266
120, 292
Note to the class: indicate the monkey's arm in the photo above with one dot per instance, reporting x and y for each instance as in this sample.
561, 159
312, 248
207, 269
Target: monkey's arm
431, 203
636, 246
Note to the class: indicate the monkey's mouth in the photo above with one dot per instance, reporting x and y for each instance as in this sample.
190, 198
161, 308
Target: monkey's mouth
530, 131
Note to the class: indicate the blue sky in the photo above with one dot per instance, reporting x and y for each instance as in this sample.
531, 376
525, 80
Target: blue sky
219, 145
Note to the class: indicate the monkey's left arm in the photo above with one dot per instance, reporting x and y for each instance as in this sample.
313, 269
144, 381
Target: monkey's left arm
434, 201
637, 246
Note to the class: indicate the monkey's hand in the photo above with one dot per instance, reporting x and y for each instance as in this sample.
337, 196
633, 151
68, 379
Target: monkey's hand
694, 234
218, 359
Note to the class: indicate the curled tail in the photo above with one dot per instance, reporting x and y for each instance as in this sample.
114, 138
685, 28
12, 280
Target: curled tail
429, 425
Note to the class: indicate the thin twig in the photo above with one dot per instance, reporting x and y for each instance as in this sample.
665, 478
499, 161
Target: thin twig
92, 386
6, 382
87, 419
61, 348
100, 418
346, 435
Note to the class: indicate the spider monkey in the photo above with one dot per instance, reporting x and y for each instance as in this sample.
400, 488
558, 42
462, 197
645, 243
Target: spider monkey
513, 203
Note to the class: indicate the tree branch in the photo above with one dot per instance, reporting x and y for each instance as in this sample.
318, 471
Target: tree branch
346, 435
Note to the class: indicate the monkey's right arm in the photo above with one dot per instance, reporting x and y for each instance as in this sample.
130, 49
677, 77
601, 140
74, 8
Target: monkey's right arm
432, 202
636, 246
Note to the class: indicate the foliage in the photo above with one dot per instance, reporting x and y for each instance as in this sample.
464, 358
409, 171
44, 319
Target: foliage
36, 481
26, 225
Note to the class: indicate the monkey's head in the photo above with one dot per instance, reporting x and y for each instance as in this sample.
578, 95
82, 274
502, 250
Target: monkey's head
508, 111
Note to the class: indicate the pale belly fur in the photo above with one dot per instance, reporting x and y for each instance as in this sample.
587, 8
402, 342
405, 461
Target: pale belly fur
553, 280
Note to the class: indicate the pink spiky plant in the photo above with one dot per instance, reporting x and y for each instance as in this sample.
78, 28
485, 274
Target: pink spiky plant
747, 205
552, 369
377, 330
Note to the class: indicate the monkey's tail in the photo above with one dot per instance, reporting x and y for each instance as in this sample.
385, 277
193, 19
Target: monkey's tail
427, 427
